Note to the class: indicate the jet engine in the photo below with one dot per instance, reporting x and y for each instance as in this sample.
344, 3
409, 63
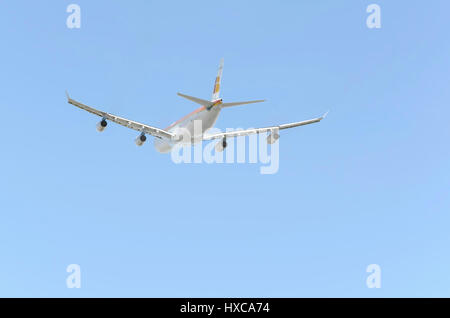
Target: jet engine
272, 138
102, 125
140, 140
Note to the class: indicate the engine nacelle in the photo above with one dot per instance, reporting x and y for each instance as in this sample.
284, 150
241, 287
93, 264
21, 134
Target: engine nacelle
102, 125
140, 140
221, 145
272, 138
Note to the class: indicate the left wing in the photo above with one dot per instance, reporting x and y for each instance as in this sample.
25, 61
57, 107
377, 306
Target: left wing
197, 100
157, 132
261, 130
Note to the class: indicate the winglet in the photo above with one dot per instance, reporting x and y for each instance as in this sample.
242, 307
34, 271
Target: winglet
67, 94
324, 115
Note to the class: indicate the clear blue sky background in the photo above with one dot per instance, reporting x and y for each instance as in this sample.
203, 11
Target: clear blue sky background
370, 184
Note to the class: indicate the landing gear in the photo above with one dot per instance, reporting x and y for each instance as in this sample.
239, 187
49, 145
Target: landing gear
221, 145
224, 143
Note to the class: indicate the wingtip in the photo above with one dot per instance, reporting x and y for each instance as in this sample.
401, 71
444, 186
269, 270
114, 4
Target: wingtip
325, 115
67, 95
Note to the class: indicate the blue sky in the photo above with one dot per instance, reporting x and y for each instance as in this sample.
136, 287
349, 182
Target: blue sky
368, 185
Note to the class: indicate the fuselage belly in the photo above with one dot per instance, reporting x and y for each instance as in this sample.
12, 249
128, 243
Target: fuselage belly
189, 126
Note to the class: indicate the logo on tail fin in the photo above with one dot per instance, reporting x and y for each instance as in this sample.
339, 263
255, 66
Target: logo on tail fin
216, 86
216, 90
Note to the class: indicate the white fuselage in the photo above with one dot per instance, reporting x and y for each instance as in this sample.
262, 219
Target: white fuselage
189, 126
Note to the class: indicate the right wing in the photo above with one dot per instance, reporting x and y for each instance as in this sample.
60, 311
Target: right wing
157, 132
261, 130
242, 103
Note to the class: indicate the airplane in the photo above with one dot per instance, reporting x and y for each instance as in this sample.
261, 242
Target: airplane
207, 114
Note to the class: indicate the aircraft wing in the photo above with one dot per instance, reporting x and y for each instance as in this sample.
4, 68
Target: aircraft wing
157, 132
261, 130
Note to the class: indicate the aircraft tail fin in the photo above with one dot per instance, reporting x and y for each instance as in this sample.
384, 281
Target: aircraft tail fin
216, 90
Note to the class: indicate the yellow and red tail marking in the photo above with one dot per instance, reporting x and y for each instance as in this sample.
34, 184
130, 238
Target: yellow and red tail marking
217, 85
216, 90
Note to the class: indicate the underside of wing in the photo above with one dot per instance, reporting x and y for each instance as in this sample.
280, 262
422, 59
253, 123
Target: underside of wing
143, 128
274, 129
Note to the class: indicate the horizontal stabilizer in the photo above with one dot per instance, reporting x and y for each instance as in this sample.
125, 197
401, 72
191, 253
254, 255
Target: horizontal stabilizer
200, 101
242, 103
